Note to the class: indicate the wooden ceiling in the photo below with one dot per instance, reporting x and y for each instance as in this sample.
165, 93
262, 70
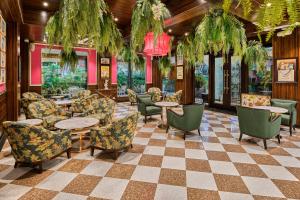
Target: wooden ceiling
185, 14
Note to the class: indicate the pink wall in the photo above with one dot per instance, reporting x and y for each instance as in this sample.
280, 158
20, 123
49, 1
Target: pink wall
36, 64
148, 69
2, 87
114, 70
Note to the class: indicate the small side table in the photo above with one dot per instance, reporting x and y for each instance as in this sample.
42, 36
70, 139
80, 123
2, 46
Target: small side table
80, 127
165, 105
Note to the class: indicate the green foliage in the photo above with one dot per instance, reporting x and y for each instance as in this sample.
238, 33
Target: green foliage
246, 4
57, 79
200, 81
79, 20
148, 16
136, 61
220, 32
164, 65
70, 59
255, 54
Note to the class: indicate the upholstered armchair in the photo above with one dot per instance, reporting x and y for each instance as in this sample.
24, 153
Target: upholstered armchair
28, 98
84, 104
250, 100
116, 136
102, 109
48, 111
81, 94
189, 121
289, 118
31, 145
147, 107
131, 96
258, 123
175, 97
155, 94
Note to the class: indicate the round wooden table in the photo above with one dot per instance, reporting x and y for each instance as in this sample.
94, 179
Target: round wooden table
165, 105
33, 122
79, 126
272, 109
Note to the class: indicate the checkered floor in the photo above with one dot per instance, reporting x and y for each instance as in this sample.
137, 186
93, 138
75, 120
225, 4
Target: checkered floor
163, 166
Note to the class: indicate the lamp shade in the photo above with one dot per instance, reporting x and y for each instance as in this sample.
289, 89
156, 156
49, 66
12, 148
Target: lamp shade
160, 47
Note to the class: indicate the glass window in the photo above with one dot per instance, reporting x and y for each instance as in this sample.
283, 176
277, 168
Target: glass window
123, 78
260, 78
168, 86
138, 81
201, 80
59, 79
219, 81
235, 80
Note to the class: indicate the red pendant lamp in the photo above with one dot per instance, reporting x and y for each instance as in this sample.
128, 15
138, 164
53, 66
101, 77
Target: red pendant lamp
160, 47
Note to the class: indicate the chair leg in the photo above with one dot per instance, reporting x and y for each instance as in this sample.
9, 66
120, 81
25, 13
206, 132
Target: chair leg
69, 153
131, 146
16, 164
92, 151
294, 128
167, 128
145, 119
291, 130
115, 155
40, 167
199, 131
278, 138
241, 135
184, 135
265, 143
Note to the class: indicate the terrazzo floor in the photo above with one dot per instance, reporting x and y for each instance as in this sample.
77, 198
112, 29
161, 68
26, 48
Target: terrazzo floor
163, 166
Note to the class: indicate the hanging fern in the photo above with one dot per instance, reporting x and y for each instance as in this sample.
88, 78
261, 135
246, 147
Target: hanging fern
137, 61
220, 32
147, 16
165, 66
246, 5
69, 60
255, 54
79, 20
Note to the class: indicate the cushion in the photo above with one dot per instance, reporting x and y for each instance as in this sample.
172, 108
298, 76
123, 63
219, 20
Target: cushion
147, 101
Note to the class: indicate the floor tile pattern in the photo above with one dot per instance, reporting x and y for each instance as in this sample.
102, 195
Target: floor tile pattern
163, 166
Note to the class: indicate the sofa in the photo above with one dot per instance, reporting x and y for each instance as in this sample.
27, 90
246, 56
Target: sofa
258, 123
147, 107
250, 100
175, 97
28, 98
116, 136
47, 111
289, 118
190, 119
31, 145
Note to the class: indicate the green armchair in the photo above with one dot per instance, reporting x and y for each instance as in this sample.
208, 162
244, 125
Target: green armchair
147, 107
47, 111
28, 98
258, 123
190, 120
31, 145
289, 118
116, 136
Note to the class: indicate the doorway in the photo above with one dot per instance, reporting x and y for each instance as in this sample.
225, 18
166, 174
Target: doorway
225, 82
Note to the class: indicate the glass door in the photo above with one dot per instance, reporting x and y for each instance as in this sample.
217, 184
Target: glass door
235, 76
219, 81
201, 81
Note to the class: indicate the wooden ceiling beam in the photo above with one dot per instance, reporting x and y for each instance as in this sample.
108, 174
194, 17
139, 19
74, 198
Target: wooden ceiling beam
12, 10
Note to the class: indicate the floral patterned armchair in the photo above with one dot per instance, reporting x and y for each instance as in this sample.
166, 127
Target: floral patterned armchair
82, 94
131, 96
28, 98
84, 104
102, 109
155, 94
116, 136
175, 97
250, 100
48, 111
34, 144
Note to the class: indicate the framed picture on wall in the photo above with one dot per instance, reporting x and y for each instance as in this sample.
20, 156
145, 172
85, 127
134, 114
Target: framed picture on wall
3, 27
105, 61
3, 43
2, 59
286, 70
179, 72
104, 72
1, 23
179, 60
2, 76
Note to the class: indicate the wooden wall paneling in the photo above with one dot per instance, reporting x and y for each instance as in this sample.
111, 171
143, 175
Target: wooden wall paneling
24, 51
3, 110
12, 70
287, 47
156, 74
37, 89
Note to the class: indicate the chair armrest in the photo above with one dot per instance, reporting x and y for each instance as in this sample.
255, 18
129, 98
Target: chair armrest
100, 131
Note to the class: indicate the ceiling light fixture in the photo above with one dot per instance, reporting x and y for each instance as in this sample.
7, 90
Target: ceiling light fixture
269, 4
45, 4
170, 30
186, 33
116, 19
